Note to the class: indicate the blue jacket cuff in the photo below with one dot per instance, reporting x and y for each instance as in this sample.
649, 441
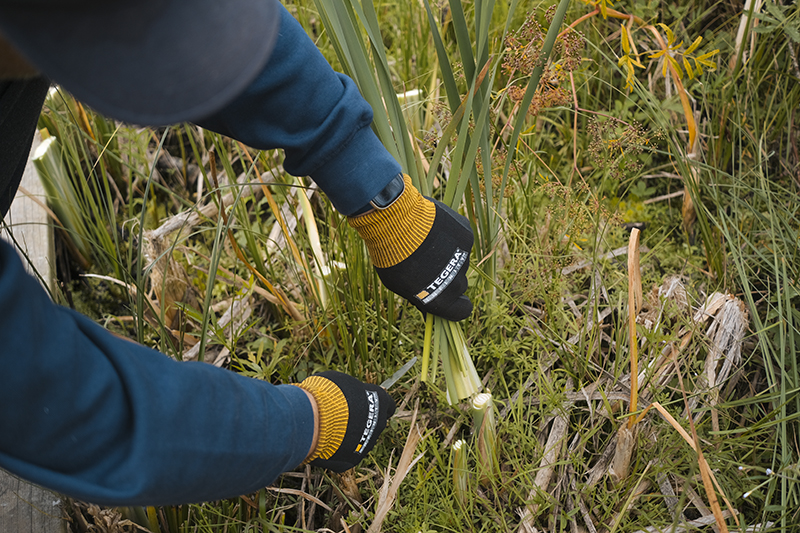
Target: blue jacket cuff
357, 173
302, 416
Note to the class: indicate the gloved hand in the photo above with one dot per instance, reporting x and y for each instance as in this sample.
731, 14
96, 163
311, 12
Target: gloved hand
351, 416
420, 250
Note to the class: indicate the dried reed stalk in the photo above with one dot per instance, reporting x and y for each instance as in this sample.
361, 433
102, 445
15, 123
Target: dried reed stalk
634, 305
391, 484
552, 451
729, 319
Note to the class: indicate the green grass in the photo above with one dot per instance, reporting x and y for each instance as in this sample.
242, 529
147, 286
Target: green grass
549, 200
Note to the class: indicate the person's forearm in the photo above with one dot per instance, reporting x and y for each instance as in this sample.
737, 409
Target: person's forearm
317, 116
109, 421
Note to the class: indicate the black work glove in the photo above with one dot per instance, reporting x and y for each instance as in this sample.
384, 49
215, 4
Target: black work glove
351, 416
420, 250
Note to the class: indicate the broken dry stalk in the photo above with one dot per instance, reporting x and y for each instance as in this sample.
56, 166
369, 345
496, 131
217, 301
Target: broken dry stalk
626, 435
705, 469
553, 448
288, 306
626, 443
634, 304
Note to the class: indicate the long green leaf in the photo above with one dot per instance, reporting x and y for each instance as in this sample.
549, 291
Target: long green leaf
448, 78
340, 20
463, 40
393, 108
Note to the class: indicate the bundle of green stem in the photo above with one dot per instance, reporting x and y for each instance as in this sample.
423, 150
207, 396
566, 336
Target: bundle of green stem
445, 339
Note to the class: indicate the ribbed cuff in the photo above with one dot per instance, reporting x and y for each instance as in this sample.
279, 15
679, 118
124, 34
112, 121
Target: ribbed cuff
357, 173
394, 233
333, 415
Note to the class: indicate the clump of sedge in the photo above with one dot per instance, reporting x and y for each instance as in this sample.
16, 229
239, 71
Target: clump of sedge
616, 144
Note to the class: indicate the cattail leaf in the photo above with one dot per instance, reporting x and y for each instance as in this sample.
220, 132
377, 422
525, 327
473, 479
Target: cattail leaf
547, 48
463, 39
454, 191
341, 21
60, 191
442, 145
483, 19
426, 347
370, 23
448, 78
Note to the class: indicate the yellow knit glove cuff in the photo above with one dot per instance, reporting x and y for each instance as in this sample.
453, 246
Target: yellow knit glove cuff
392, 234
333, 415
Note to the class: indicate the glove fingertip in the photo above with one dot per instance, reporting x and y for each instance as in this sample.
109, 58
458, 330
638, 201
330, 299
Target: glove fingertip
460, 309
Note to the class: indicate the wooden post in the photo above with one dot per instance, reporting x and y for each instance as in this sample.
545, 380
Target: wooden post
30, 224
26, 508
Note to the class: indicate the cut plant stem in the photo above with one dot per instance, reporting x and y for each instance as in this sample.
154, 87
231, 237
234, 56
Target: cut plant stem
460, 471
485, 426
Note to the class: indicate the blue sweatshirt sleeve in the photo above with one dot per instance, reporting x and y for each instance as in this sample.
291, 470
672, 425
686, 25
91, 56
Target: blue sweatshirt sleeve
317, 116
109, 421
